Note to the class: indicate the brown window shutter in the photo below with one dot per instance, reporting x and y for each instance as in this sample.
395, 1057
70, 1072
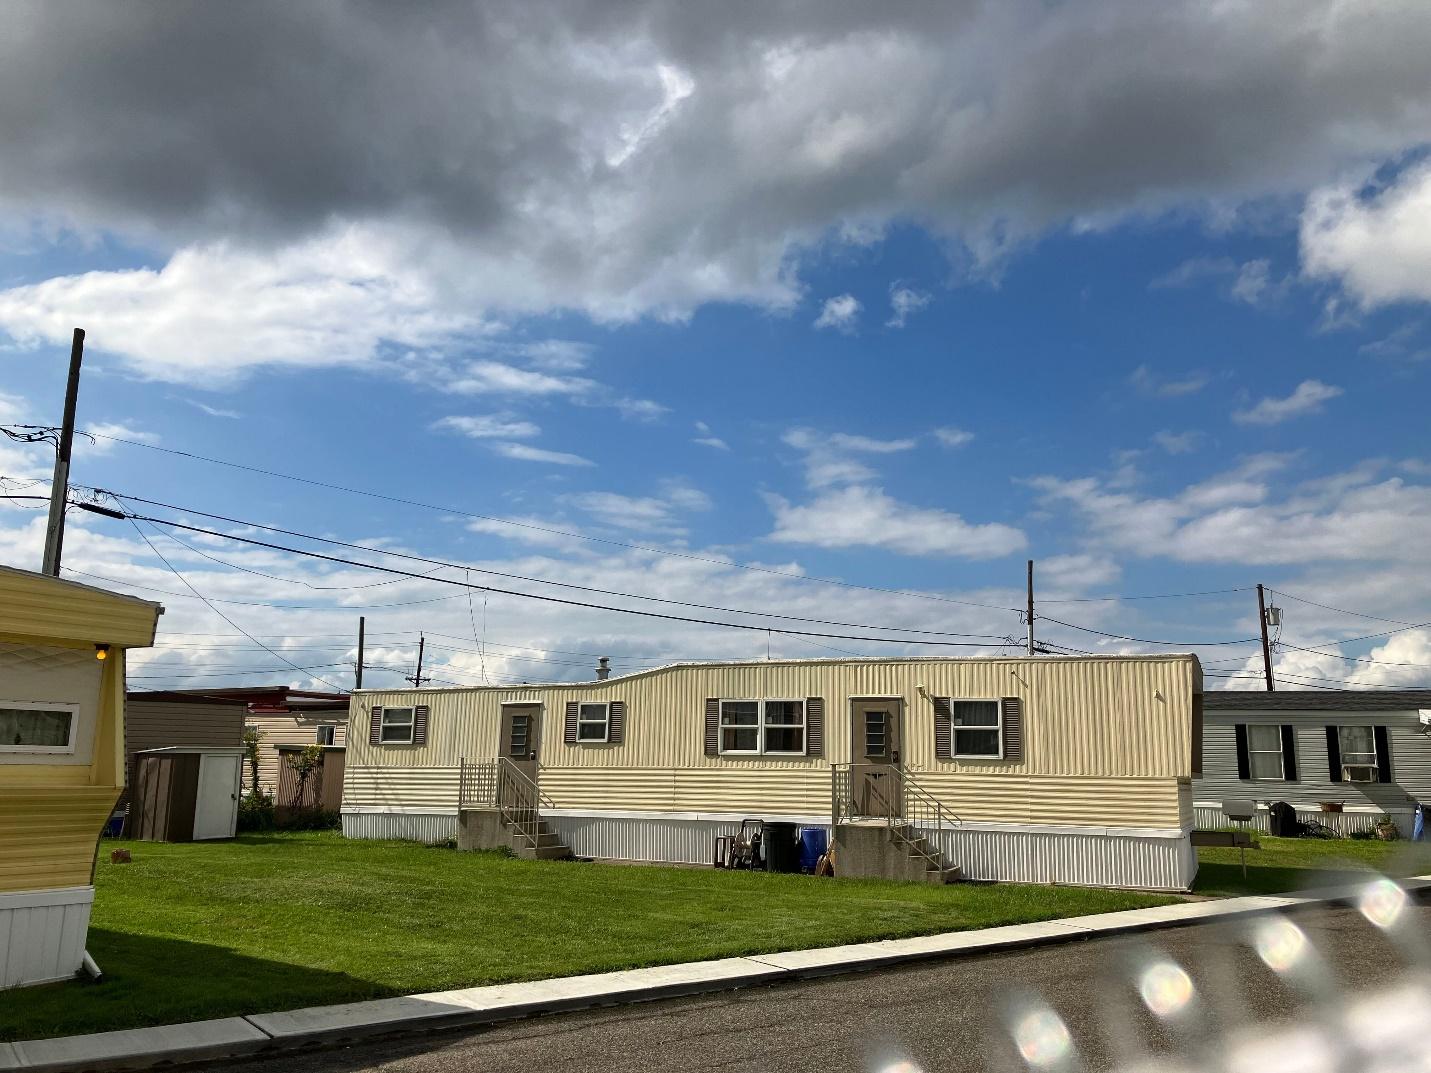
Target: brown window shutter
616, 726
814, 726
1289, 752
569, 729
1383, 754
1197, 723
1334, 755
712, 726
943, 729
1244, 758
419, 724
375, 726
1013, 710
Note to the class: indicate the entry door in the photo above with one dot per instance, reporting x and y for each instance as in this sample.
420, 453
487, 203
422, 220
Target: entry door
216, 811
876, 742
521, 736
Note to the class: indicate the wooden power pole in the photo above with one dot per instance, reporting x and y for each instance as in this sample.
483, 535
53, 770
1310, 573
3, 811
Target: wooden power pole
358, 676
1266, 645
417, 679
1029, 612
60, 483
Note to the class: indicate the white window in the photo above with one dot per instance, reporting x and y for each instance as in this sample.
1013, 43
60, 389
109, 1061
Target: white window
762, 727
1264, 752
1358, 749
978, 728
326, 734
593, 722
397, 726
37, 727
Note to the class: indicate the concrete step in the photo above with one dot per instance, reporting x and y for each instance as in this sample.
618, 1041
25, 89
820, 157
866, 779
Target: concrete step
544, 853
943, 874
545, 838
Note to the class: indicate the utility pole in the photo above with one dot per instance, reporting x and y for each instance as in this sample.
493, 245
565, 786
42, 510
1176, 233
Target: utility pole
1029, 612
417, 679
1266, 646
358, 677
60, 483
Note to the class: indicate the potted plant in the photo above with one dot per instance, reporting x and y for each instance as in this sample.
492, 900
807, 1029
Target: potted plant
1386, 829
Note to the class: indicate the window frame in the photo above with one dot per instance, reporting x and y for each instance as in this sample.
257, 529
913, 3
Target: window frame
68, 707
411, 725
331, 728
1374, 763
1281, 775
604, 722
760, 726
997, 728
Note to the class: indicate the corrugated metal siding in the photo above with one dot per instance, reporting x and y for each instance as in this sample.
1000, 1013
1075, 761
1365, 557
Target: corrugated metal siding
37, 606
411, 788
48, 834
287, 729
413, 827
1410, 761
43, 942
1053, 799
1100, 718
1342, 823
1082, 859
155, 724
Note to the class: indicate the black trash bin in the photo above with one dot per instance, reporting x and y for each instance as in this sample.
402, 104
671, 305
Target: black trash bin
781, 844
1282, 820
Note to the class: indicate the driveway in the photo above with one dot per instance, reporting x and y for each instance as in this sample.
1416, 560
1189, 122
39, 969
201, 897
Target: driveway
940, 1016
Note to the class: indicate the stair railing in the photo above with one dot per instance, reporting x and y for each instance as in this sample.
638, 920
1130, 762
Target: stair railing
898, 799
477, 784
520, 800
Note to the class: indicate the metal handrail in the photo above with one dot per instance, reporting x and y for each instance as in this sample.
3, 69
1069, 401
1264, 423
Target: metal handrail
520, 800
917, 806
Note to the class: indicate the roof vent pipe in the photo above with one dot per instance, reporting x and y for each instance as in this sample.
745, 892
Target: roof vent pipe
603, 668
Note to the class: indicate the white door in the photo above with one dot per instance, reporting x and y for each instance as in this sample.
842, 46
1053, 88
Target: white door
216, 812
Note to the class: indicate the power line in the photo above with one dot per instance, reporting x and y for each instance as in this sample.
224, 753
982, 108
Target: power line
551, 530
1353, 659
261, 603
1151, 596
134, 518
1144, 640
1343, 610
441, 564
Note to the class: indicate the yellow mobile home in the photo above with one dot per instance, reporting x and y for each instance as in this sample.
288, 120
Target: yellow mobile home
62, 649
1053, 769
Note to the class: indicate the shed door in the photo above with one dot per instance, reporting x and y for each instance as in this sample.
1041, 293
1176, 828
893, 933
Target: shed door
876, 740
216, 812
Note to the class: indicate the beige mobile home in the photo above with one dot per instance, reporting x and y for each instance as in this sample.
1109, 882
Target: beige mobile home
1055, 769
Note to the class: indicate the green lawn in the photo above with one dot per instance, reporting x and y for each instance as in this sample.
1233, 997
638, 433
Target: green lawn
274, 922
1291, 864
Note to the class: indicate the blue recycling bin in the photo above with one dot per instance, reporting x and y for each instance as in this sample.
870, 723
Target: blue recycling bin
813, 842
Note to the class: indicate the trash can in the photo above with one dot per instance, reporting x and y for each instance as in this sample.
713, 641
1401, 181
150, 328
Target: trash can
813, 843
1282, 820
782, 851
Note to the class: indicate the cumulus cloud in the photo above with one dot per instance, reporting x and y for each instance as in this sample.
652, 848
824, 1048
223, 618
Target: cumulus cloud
840, 313
489, 426
653, 514
1376, 245
865, 517
904, 302
953, 437
1308, 398
830, 457
525, 452
709, 439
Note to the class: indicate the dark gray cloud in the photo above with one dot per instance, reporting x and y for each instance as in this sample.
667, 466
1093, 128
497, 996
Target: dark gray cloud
625, 159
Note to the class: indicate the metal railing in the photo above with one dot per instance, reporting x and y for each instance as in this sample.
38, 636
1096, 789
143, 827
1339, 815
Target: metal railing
885, 792
500, 784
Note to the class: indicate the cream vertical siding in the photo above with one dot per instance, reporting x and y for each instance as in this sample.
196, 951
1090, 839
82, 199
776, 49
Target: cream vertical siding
1107, 740
292, 728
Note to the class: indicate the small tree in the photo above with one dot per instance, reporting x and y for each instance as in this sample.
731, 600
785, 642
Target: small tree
252, 736
305, 762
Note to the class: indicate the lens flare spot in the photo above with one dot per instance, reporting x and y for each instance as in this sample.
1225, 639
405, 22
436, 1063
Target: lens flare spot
900, 1065
1382, 903
1042, 1038
1280, 944
1166, 988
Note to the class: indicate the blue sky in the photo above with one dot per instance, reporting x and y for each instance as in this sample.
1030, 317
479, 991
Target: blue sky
1151, 375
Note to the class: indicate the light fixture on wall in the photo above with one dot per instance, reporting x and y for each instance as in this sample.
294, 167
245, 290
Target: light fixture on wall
101, 652
1157, 694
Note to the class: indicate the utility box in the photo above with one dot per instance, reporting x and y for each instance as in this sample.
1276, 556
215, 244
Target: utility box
186, 794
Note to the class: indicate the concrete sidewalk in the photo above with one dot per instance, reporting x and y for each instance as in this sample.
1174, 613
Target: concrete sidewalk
236, 1036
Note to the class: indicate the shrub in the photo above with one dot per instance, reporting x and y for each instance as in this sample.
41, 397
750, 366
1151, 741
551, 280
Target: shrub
255, 812
311, 819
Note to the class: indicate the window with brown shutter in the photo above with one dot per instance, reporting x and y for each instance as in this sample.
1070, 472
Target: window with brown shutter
616, 726
375, 725
712, 735
419, 724
943, 729
1013, 713
569, 729
814, 726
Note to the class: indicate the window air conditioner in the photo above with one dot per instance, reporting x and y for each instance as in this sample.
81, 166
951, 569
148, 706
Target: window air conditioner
1359, 772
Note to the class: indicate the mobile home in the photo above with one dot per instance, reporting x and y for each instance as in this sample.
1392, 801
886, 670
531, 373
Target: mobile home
62, 765
1340, 757
1059, 769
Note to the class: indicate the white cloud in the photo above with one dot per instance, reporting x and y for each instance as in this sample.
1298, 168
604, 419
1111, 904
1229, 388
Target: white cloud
1178, 443
840, 313
487, 377
524, 452
1308, 398
904, 302
106, 433
489, 426
1150, 383
1249, 282
709, 439
12, 408
1378, 246
556, 355
655, 514
215, 411
1405, 343
953, 437
862, 516
828, 456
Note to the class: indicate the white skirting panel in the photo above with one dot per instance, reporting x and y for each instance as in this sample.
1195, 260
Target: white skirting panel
1083, 858
1342, 823
410, 826
42, 934
644, 838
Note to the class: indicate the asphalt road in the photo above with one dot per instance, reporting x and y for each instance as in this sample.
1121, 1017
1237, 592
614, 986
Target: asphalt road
937, 1016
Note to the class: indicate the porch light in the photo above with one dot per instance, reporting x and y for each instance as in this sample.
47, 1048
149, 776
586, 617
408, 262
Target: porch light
101, 652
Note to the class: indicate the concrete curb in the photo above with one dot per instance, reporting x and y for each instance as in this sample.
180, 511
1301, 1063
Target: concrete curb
475, 1006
